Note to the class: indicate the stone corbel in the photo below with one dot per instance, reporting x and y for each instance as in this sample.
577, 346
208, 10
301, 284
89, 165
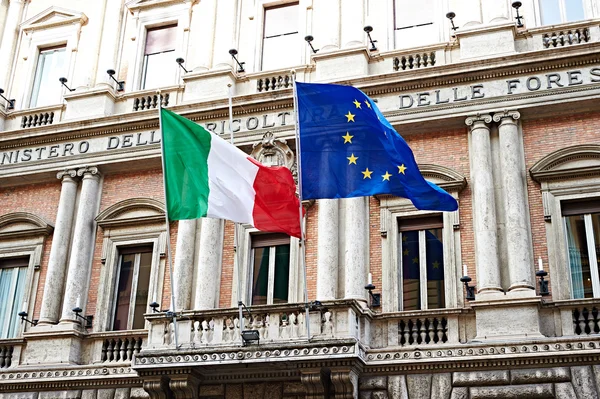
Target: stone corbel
158, 387
478, 119
507, 116
185, 386
315, 382
345, 382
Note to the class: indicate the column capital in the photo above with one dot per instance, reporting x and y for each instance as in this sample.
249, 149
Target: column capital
88, 171
507, 116
478, 118
67, 174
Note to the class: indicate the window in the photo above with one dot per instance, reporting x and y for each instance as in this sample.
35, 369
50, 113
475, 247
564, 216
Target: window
559, 11
582, 227
12, 288
422, 263
135, 266
414, 23
270, 269
159, 57
280, 37
50, 66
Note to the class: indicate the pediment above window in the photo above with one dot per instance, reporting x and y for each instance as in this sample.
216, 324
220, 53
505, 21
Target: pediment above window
54, 16
567, 163
23, 224
132, 211
446, 178
140, 5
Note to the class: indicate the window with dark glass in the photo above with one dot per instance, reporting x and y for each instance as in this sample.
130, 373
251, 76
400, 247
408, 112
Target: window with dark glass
421, 263
12, 287
560, 11
50, 67
159, 59
133, 280
582, 227
270, 269
414, 24
280, 37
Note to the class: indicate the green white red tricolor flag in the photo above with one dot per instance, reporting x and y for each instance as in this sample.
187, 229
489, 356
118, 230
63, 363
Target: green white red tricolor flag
205, 176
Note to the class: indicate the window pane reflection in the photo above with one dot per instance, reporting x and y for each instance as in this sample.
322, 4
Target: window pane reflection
260, 280
579, 262
124, 292
550, 11
411, 291
435, 269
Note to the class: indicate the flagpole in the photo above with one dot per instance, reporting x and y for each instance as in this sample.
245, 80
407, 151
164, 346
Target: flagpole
302, 238
236, 257
170, 264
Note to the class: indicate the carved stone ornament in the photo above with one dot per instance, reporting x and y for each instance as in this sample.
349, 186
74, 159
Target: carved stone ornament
507, 116
478, 118
88, 171
273, 152
66, 174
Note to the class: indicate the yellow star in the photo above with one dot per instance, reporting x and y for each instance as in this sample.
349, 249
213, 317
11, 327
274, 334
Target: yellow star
356, 103
367, 173
415, 259
401, 169
404, 238
352, 159
368, 103
436, 265
405, 252
386, 176
350, 117
347, 138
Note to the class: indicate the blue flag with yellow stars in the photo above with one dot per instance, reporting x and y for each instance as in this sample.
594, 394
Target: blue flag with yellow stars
348, 149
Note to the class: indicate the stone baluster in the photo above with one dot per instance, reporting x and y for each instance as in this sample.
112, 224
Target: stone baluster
57, 264
357, 242
520, 256
484, 206
327, 252
209, 264
183, 268
78, 277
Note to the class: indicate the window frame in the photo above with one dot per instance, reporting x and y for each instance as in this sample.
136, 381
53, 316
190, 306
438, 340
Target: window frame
587, 12
438, 22
271, 269
264, 23
6, 327
35, 88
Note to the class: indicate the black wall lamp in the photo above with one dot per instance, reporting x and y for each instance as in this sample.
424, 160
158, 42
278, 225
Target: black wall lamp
375, 299
368, 29
77, 310
23, 313
308, 40
541, 273
121, 84
516, 5
249, 336
64, 83
470, 289
154, 305
180, 61
451, 15
233, 53
10, 103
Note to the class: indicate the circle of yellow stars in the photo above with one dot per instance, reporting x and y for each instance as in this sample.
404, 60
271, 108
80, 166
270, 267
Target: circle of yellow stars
367, 174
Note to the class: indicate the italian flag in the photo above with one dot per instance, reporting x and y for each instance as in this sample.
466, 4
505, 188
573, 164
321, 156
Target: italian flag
205, 176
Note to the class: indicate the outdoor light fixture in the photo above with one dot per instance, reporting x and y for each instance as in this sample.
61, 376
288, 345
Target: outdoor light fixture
470, 289
451, 16
121, 84
154, 305
368, 29
248, 336
77, 310
10, 103
516, 5
375, 298
309, 39
23, 313
64, 81
541, 273
233, 53
315, 305
180, 61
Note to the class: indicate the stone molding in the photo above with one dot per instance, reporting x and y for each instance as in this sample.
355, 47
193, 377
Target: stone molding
554, 166
30, 225
506, 116
67, 174
45, 20
116, 214
88, 172
478, 119
141, 5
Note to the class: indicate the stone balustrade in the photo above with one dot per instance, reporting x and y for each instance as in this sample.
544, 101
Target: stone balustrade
6, 353
121, 349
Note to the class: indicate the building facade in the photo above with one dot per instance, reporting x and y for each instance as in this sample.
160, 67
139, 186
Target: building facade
500, 111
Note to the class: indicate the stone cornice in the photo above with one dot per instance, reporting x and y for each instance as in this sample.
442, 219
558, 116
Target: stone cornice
110, 217
141, 5
40, 21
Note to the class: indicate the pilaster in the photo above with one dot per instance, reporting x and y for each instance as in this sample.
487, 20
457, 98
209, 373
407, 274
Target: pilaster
484, 206
327, 251
209, 264
183, 268
356, 242
57, 264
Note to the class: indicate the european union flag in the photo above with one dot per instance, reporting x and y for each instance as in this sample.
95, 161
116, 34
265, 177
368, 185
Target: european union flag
348, 149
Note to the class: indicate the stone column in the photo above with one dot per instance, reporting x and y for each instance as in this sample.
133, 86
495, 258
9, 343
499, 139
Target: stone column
57, 264
209, 264
327, 249
356, 248
9, 36
183, 268
225, 35
484, 206
520, 257
78, 278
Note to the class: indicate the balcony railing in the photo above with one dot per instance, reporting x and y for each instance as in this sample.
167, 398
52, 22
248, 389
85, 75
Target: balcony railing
6, 353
